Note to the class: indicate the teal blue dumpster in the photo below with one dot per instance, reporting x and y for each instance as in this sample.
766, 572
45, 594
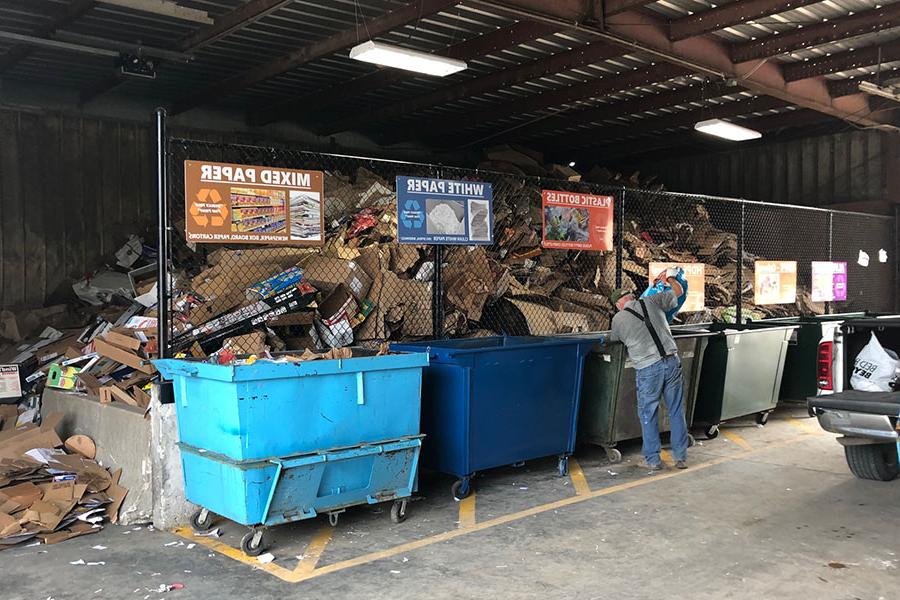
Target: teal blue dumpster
274, 442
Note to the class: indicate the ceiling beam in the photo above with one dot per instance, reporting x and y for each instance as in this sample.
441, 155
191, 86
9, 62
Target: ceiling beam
729, 15
595, 88
766, 124
707, 55
684, 118
614, 7
72, 12
614, 110
845, 87
551, 65
372, 27
842, 61
868, 21
165, 8
482, 45
228, 23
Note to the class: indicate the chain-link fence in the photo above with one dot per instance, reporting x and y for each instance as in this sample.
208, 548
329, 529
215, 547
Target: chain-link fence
361, 286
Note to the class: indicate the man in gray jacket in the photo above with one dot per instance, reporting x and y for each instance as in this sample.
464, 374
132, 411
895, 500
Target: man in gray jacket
642, 326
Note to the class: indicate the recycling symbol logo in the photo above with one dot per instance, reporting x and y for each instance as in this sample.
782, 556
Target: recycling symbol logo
412, 216
208, 208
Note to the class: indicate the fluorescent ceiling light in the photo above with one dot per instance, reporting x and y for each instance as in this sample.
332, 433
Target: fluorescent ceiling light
726, 130
409, 60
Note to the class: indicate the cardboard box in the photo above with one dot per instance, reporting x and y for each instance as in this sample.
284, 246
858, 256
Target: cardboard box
327, 273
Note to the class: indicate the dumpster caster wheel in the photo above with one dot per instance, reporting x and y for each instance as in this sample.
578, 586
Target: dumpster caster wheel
691, 441
711, 432
613, 455
202, 521
398, 511
461, 489
563, 466
762, 418
252, 543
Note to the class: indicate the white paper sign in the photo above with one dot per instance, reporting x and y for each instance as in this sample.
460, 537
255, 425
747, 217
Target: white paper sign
10, 384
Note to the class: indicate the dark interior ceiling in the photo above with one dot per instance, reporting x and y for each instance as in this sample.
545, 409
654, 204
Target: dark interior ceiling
610, 78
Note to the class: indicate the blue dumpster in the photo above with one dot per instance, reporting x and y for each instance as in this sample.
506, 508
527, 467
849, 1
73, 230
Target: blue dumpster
270, 409
495, 401
270, 442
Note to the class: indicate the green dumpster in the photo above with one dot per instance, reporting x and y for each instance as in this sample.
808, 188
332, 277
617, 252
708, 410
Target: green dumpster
741, 374
609, 396
799, 379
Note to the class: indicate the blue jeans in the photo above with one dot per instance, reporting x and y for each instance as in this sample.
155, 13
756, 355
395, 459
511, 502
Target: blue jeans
662, 381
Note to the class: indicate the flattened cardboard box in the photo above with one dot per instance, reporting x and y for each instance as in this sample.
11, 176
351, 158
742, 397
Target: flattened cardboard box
327, 273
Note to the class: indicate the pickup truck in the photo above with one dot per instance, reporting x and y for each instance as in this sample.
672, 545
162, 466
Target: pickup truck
867, 421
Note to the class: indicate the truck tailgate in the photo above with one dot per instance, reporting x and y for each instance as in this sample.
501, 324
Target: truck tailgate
878, 403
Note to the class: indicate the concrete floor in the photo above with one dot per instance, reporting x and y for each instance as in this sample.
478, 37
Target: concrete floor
763, 513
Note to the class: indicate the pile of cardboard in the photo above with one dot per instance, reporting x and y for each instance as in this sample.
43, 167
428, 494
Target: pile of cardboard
46, 492
99, 342
363, 286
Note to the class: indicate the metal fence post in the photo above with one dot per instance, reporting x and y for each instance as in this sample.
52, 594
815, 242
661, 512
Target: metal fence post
739, 275
620, 238
828, 305
162, 247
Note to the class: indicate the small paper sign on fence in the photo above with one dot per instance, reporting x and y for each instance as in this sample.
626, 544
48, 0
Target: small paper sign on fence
829, 281
695, 273
775, 282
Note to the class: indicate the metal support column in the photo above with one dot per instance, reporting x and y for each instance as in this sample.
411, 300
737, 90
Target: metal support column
162, 253
619, 217
739, 276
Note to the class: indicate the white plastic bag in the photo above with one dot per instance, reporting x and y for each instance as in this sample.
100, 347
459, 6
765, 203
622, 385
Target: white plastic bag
875, 368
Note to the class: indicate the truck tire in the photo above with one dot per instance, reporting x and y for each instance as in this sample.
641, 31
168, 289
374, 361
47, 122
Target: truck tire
877, 462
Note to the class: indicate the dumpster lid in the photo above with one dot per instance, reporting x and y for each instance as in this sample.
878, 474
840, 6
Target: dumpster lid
268, 369
475, 345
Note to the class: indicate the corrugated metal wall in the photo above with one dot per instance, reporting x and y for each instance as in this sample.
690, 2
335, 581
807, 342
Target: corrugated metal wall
815, 171
71, 191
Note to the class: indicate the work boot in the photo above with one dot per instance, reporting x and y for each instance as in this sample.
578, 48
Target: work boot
681, 464
653, 467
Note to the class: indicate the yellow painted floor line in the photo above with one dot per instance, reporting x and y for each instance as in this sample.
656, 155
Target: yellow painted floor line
314, 550
806, 425
731, 436
467, 511
666, 457
297, 577
578, 480
234, 553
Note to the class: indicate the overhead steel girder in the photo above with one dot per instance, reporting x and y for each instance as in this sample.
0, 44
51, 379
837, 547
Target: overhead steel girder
374, 26
595, 88
842, 61
728, 15
708, 55
500, 39
71, 13
767, 124
228, 23
638, 30
570, 59
844, 87
723, 110
614, 110
876, 19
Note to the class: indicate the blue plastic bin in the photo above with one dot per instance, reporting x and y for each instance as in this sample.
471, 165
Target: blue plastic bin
490, 402
280, 490
269, 409
268, 443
